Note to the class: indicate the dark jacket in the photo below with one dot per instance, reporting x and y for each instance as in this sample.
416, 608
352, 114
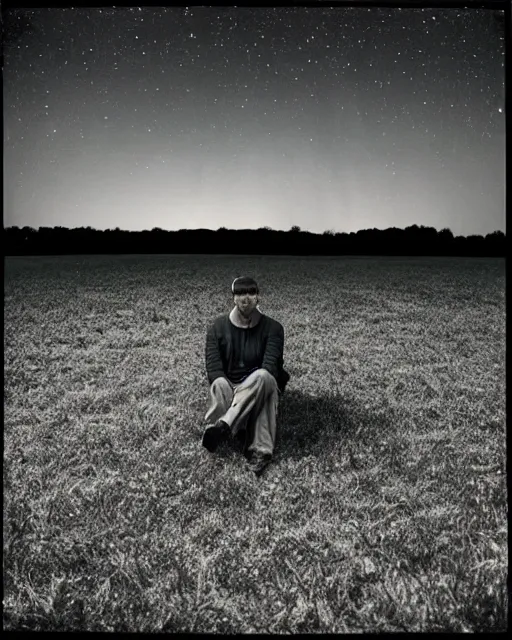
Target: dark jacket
233, 353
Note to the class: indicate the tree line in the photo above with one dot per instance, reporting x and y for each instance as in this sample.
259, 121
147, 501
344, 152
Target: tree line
413, 240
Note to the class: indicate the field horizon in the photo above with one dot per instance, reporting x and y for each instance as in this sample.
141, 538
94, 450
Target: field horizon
385, 507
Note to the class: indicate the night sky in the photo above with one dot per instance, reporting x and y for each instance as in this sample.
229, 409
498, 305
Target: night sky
326, 118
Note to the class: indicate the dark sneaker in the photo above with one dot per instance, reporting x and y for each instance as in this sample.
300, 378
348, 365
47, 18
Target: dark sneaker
259, 462
214, 434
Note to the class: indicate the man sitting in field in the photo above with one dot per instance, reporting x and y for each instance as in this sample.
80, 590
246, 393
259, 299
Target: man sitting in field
244, 363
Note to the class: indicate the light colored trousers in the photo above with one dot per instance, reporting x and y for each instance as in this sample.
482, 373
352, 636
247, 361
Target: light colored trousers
250, 405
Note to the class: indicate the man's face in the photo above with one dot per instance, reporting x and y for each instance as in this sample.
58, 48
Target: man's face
246, 301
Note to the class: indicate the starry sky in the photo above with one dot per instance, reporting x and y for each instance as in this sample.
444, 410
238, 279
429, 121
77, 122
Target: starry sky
327, 118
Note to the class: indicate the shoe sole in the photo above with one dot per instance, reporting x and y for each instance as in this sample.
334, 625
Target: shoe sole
258, 470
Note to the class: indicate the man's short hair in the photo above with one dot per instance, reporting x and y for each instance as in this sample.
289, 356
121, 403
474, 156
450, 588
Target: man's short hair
244, 284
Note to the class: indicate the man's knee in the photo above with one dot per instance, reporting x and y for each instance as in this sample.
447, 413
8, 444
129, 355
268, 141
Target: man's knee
219, 384
266, 377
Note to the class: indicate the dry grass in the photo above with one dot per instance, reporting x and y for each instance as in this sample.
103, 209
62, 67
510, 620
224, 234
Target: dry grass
385, 508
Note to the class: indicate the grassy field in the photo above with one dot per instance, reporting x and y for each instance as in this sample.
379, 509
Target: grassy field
385, 508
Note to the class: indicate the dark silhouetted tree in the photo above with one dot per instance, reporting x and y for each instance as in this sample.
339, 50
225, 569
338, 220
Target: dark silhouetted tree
414, 240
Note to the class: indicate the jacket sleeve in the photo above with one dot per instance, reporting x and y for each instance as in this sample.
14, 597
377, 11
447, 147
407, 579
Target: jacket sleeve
213, 360
274, 350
